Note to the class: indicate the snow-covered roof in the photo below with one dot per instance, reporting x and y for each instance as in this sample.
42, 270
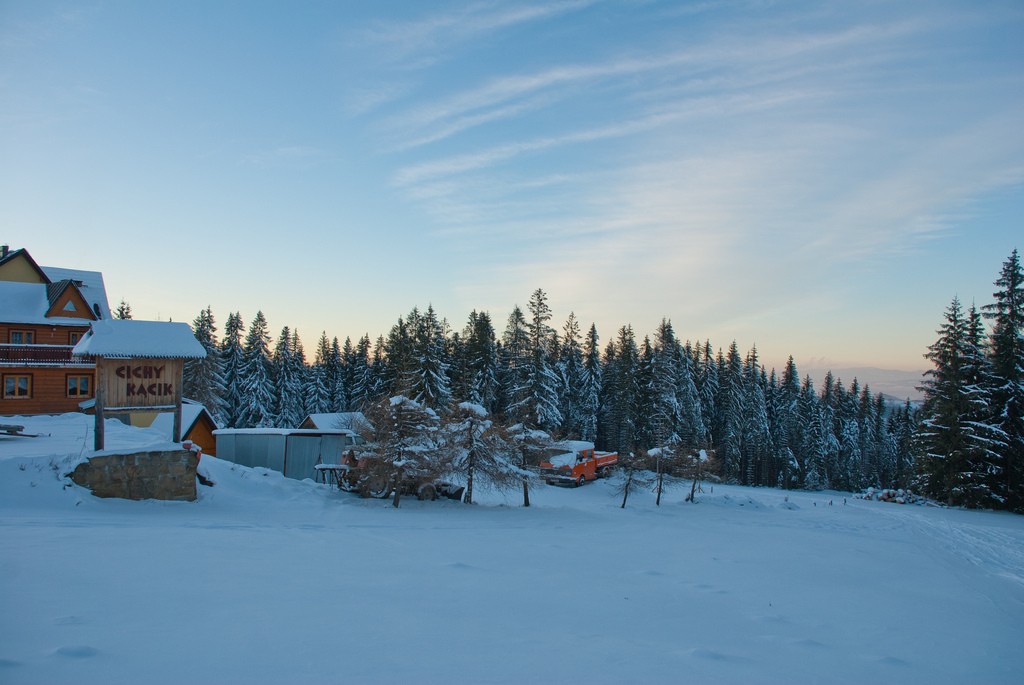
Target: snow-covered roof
281, 431
190, 413
92, 288
131, 338
353, 420
23, 302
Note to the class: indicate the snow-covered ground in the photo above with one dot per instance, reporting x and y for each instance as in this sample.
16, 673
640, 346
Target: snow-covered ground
268, 580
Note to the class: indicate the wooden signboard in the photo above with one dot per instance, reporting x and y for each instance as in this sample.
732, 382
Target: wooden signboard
131, 384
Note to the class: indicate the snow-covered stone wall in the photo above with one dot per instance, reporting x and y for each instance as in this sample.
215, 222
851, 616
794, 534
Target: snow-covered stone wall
167, 475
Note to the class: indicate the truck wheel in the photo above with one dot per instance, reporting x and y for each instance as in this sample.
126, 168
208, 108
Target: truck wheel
376, 486
580, 481
426, 491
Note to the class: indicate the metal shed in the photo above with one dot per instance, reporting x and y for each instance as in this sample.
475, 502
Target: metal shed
291, 451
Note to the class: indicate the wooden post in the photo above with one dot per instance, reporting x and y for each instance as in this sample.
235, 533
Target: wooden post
176, 430
101, 398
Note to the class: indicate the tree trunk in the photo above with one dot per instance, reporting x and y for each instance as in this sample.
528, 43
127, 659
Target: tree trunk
526, 493
398, 490
468, 496
625, 488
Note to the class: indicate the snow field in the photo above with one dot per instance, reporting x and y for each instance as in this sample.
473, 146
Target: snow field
270, 580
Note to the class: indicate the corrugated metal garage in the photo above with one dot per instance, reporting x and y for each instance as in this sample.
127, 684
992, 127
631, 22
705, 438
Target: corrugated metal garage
293, 452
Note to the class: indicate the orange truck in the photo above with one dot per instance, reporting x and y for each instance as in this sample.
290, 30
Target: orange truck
580, 463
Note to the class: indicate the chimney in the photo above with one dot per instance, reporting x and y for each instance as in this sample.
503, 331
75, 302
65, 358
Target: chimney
4, 251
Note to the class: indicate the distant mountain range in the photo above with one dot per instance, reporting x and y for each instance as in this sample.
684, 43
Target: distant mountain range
898, 386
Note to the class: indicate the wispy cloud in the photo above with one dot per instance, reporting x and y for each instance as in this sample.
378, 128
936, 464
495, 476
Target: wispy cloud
425, 41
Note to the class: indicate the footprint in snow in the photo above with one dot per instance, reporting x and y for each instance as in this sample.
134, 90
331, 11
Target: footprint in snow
77, 651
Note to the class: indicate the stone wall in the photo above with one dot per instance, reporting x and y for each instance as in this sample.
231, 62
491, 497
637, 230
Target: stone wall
168, 475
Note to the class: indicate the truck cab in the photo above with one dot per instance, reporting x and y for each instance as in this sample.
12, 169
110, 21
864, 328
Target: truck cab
576, 465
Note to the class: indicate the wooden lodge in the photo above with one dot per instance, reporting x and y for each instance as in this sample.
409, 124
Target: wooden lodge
44, 312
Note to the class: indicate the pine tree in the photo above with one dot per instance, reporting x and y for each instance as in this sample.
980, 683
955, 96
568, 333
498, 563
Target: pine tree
362, 390
620, 393
336, 378
231, 356
590, 381
481, 360
571, 372
405, 443
1007, 354
514, 370
755, 443
287, 381
123, 311
203, 379
538, 405
257, 399
428, 384
481, 450
731, 409
957, 446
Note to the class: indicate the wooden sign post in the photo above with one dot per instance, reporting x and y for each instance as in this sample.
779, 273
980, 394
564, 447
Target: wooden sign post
138, 384
139, 366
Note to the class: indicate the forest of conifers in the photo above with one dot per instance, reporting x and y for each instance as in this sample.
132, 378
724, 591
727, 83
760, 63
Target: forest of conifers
964, 446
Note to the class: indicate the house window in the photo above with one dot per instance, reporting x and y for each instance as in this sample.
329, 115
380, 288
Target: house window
73, 338
79, 386
22, 337
17, 386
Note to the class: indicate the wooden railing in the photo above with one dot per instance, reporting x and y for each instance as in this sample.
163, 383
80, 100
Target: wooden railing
50, 355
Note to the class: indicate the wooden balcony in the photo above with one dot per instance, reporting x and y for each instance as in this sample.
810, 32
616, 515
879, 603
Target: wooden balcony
40, 355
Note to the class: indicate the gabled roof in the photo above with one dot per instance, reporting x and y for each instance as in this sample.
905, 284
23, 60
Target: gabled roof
350, 420
132, 338
23, 254
29, 303
191, 412
89, 283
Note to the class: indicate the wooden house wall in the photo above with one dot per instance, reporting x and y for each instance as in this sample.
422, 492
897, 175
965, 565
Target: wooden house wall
44, 334
49, 390
81, 310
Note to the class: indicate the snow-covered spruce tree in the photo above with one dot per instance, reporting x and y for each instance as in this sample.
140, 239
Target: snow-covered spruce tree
287, 380
533, 446
231, 355
731, 409
480, 450
514, 369
785, 424
957, 447
316, 393
362, 391
571, 373
812, 449
645, 398
620, 393
404, 444
755, 442
1006, 348
429, 383
902, 425
481, 354
398, 348
123, 311
591, 381
203, 379
539, 406
666, 379
336, 378
707, 391
255, 383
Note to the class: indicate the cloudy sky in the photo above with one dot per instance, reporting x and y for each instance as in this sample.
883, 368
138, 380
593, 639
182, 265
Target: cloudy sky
816, 178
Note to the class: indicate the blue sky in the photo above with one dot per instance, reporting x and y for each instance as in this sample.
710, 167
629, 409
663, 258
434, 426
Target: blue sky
816, 178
